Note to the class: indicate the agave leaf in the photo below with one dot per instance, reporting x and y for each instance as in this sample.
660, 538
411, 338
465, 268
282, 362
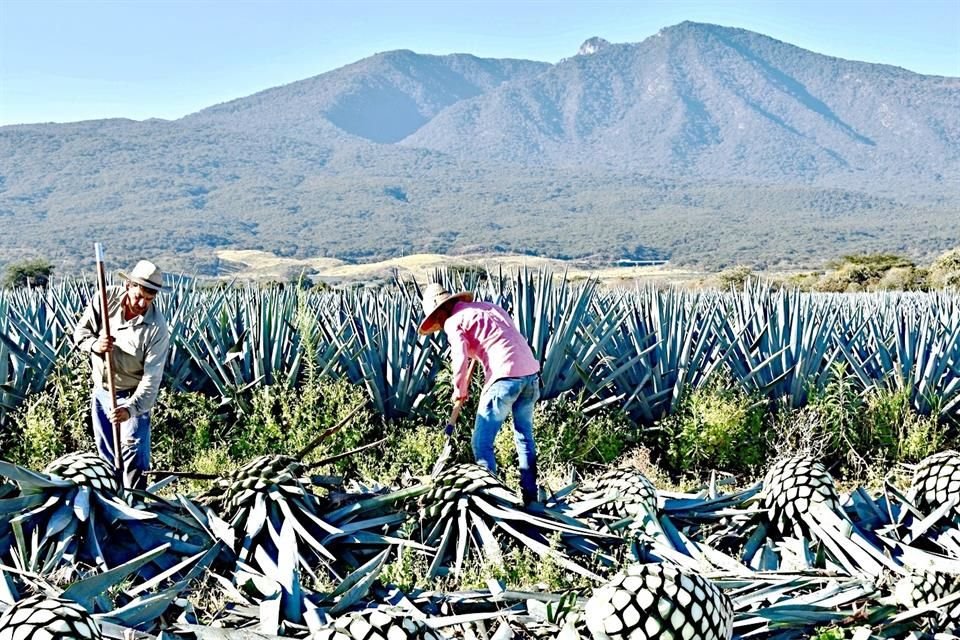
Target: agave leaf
20, 504
359, 574
8, 590
287, 574
302, 531
143, 610
360, 582
200, 561
211, 633
377, 502
31, 480
81, 504
445, 539
489, 545
118, 510
544, 550
525, 516
84, 591
463, 535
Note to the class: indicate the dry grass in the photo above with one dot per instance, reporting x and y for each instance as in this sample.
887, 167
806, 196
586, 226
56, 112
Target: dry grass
261, 265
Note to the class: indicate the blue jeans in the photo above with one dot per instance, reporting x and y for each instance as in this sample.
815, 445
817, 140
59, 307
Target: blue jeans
134, 438
516, 395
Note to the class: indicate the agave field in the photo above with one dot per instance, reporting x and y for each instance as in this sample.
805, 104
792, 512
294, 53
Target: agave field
274, 549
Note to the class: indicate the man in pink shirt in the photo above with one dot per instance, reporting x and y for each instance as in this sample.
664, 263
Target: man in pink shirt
484, 332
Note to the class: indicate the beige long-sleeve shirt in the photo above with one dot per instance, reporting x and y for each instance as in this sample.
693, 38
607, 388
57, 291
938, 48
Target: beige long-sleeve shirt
139, 350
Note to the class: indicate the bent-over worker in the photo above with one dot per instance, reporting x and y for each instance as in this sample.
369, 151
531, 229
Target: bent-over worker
484, 332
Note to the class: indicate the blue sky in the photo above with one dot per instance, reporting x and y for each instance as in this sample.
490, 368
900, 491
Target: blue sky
67, 60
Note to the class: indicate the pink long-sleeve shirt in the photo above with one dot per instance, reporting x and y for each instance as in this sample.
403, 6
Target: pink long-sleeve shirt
484, 331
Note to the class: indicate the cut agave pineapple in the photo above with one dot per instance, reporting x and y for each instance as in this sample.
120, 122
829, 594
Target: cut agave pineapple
376, 625
259, 476
238, 492
658, 602
86, 470
458, 481
628, 494
937, 481
918, 589
40, 618
791, 487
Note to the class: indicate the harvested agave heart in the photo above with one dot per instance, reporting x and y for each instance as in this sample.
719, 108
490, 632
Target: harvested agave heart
659, 602
40, 618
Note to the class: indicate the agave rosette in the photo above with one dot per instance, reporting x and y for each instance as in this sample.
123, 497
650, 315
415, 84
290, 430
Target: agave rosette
469, 514
259, 497
72, 517
70, 532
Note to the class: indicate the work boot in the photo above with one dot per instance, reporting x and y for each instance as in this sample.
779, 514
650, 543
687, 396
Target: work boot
528, 485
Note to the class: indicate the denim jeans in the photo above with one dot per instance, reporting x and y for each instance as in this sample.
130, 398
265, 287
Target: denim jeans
516, 395
134, 438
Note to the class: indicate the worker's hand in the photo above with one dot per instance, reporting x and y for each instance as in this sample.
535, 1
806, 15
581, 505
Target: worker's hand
103, 344
448, 429
119, 415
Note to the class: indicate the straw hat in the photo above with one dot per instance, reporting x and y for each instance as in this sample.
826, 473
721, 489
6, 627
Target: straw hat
434, 297
146, 274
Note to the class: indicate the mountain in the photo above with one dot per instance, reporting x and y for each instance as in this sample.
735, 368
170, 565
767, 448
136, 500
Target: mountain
704, 145
699, 100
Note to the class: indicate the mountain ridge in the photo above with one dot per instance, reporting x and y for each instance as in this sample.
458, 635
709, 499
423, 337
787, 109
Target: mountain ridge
630, 151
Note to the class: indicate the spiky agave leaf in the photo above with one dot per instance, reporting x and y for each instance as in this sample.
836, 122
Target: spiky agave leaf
40, 618
7, 490
937, 481
258, 498
73, 527
658, 602
802, 525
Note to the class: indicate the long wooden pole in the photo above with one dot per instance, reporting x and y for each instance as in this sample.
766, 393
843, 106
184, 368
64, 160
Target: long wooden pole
108, 357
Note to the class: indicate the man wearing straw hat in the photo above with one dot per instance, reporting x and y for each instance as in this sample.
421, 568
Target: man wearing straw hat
484, 332
138, 344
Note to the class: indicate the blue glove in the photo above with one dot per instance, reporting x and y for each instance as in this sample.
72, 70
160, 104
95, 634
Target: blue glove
448, 429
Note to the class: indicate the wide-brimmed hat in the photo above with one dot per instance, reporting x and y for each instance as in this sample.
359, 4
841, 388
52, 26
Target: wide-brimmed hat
434, 297
146, 274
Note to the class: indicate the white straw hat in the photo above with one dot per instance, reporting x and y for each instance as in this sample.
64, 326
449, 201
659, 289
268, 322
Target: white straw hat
434, 297
146, 274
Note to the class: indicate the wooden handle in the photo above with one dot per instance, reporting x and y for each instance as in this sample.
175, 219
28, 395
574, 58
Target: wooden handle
108, 358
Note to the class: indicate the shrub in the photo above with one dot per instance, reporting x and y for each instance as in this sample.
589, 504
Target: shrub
840, 427
410, 448
903, 279
858, 429
55, 421
719, 426
184, 426
945, 270
906, 435
284, 420
30, 273
734, 277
